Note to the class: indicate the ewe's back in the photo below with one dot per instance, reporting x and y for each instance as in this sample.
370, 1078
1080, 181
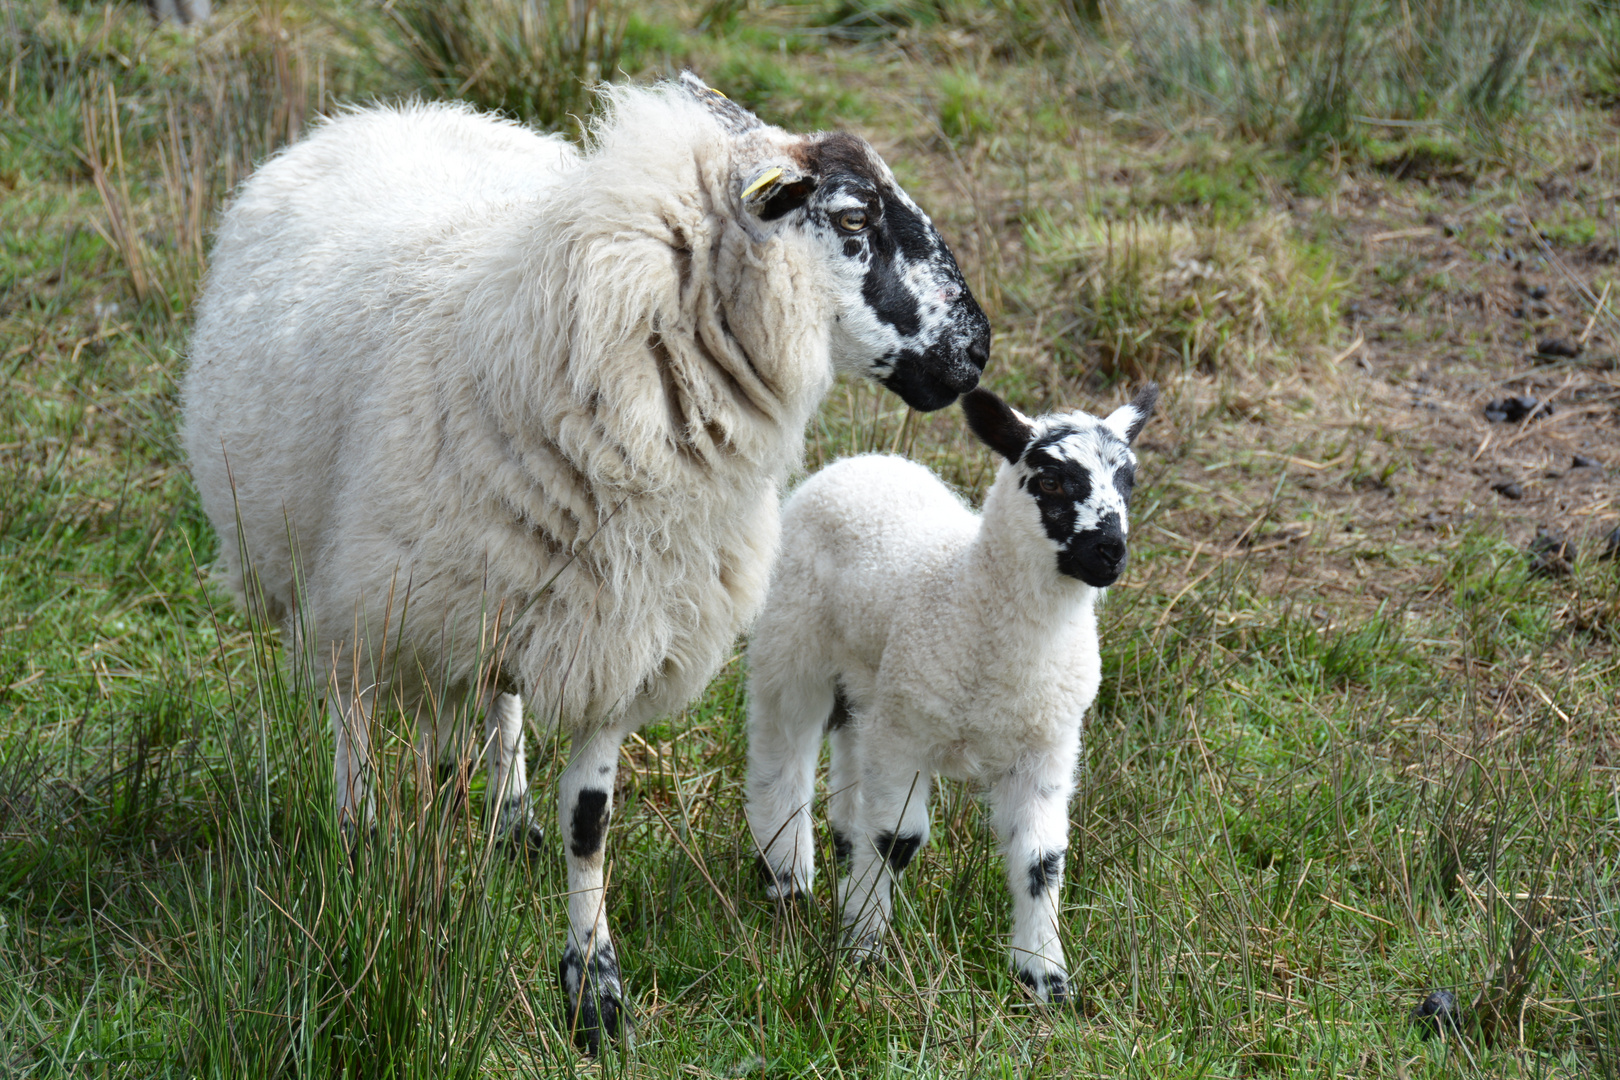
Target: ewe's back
364, 214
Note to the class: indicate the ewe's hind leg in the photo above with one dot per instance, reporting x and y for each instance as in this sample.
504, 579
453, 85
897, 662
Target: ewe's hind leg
1030, 813
513, 815
784, 741
891, 824
351, 730
589, 970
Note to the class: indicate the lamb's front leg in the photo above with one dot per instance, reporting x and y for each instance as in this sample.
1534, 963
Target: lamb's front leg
589, 969
890, 826
1030, 813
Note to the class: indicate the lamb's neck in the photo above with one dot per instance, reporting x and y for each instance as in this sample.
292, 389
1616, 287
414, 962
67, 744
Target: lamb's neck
1019, 592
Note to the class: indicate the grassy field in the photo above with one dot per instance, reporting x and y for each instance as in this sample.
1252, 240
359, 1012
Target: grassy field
1356, 743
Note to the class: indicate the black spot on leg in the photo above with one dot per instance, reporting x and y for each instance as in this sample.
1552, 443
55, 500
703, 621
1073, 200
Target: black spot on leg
840, 710
589, 822
898, 851
1046, 873
843, 851
603, 770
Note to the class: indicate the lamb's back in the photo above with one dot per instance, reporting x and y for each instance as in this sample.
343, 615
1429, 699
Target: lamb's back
858, 538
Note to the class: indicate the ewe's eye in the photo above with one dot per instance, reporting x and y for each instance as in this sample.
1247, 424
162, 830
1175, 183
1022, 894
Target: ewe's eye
852, 220
1050, 486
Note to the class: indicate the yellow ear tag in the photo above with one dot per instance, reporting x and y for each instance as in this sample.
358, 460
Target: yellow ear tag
770, 177
717, 93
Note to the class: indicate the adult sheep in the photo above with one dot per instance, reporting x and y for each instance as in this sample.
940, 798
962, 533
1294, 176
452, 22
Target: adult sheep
441, 355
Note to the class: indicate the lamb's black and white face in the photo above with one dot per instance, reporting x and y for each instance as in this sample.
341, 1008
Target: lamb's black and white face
902, 312
1078, 470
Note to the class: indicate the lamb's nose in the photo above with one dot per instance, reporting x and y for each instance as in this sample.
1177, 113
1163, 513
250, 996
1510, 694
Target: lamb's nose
1110, 551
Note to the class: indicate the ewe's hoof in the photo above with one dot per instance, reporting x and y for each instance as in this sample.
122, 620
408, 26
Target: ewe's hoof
517, 831
595, 998
1050, 987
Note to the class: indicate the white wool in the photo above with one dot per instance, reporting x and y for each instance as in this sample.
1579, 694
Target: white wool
394, 398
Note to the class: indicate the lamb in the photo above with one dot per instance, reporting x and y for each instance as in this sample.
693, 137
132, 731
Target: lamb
923, 640
486, 421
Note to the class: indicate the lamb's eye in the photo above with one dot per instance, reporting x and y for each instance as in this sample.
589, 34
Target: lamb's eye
1050, 486
852, 220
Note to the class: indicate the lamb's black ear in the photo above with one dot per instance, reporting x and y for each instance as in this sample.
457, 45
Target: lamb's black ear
732, 116
1128, 420
997, 424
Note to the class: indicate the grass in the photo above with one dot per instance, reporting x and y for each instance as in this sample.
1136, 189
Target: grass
1303, 808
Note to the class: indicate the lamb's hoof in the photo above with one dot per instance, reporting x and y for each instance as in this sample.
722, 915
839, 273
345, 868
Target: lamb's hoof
865, 948
1050, 987
781, 887
595, 998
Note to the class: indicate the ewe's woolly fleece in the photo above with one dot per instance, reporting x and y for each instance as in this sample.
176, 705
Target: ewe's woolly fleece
963, 639
445, 376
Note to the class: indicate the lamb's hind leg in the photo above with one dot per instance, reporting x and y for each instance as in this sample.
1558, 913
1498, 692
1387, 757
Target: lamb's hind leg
1030, 813
512, 809
589, 969
784, 741
890, 826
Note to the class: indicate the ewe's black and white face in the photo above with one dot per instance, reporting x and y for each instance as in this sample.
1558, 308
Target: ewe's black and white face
902, 312
1077, 469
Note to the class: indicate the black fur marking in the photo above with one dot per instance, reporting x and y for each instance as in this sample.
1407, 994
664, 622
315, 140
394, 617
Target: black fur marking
787, 198
603, 770
1057, 987
852, 247
1125, 482
1144, 401
995, 423
1046, 873
840, 710
1097, 556
593, 995
843, 851
898, 850
589, 822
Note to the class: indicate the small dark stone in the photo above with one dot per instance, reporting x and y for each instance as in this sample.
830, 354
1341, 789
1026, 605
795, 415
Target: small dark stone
1611, 546
1508, 490
1581, 461
1519, 407
1562, 348
1437, 1013
1538, 292
1551, 554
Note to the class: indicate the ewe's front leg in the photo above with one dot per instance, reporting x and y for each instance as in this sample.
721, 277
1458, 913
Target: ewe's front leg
589, 969
1030, 813
512, 811
891, 825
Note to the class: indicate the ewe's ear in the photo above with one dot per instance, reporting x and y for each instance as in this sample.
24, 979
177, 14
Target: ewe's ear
1127, 420
777, 190
732, 116
997, 424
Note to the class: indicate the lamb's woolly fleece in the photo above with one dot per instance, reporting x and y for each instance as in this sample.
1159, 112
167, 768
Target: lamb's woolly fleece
449, 373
